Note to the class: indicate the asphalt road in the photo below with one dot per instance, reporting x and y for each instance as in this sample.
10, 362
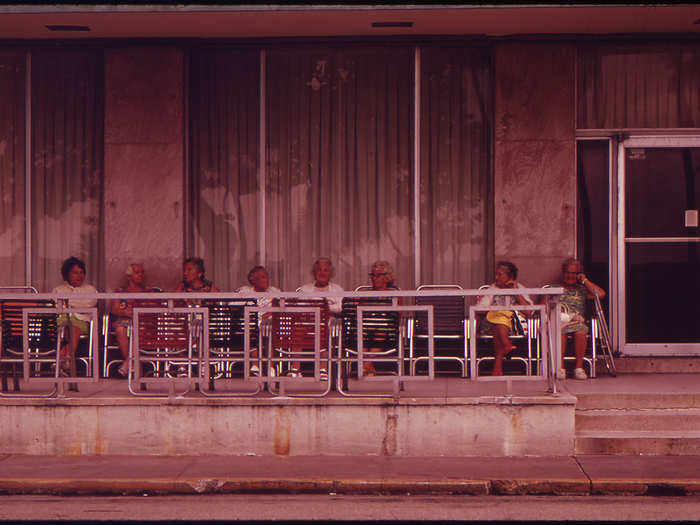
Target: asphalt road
340, 507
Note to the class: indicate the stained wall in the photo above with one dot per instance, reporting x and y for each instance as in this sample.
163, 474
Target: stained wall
144, 163
535, 178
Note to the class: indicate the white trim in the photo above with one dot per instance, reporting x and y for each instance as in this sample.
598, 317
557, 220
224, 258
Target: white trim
262, 162
661, 141
28, 168
619, 296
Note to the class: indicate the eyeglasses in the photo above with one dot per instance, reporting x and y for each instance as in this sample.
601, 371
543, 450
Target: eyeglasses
377, 274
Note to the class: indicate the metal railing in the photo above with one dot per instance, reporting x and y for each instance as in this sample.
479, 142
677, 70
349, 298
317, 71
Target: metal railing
331, 362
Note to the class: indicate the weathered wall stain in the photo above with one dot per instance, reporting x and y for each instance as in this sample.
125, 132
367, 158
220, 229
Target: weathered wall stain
390, 430
281, 435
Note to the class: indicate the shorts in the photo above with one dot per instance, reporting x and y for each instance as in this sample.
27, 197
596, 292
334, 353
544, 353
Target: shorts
486, 327
83, 325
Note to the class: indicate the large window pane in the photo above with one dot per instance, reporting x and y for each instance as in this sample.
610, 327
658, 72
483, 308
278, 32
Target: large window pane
12, 166
639, 85
339, 177
223, 187
67, 163
456, 195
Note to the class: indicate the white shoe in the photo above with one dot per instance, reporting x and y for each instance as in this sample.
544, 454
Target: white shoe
580, 373
254, 371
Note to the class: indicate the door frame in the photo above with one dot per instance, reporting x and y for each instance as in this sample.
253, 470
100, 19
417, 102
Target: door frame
618, 251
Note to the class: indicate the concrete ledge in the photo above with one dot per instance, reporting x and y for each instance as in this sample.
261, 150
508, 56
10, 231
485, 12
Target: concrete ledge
479, 426
473, 487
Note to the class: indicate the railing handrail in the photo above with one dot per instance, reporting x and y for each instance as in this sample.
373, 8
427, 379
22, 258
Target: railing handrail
470, 292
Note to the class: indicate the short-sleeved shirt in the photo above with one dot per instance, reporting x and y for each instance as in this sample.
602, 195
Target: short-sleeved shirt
335, 304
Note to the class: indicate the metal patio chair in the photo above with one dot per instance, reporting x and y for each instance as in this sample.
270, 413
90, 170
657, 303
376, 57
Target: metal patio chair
42, 339
227, 328
171, 340
452, 344
298, 331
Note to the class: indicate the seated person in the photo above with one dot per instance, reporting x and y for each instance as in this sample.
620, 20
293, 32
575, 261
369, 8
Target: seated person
382, 275
122, 310
77, 324
322, 271
193, 279
498, 323
259, 281
577, 288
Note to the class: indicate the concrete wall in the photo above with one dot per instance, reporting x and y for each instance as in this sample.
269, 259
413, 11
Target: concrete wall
535, 178
144, 163
468, 427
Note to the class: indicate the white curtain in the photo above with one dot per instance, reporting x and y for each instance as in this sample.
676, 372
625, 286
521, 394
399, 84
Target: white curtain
339, 153
456, 196
224, 191
67, 113
339, 180
12, 168
639, 85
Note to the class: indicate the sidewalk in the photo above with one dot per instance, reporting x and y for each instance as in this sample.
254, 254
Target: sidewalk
580, 475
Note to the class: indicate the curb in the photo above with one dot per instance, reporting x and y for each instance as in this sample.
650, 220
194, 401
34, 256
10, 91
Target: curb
496, 487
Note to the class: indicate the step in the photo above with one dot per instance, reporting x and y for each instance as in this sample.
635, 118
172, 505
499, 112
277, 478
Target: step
638, 400
653, 365
659, 420
653, 443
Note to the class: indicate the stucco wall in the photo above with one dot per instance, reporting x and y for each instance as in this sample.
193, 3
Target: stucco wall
485, 426
144, 195
535, 178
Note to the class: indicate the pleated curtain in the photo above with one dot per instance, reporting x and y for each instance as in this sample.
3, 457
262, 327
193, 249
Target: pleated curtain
638, 85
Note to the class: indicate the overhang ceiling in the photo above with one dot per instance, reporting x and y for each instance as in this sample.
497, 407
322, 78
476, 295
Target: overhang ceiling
260, 21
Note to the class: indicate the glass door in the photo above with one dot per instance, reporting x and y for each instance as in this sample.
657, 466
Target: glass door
659, 246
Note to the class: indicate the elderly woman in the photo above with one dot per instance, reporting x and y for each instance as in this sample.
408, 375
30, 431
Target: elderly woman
499, 322
577, 288
259, 281
73, 272
382, 275
122, 310
323, 271
193, 279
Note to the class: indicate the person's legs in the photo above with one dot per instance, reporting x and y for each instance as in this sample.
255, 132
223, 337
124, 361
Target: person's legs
123, 342
501, 346
579, 347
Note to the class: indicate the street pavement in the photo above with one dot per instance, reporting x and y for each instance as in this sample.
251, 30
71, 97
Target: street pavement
566, 476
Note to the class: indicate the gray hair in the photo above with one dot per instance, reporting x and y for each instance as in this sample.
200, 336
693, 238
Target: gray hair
318, 262
569, 261
385, 267
130, 268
